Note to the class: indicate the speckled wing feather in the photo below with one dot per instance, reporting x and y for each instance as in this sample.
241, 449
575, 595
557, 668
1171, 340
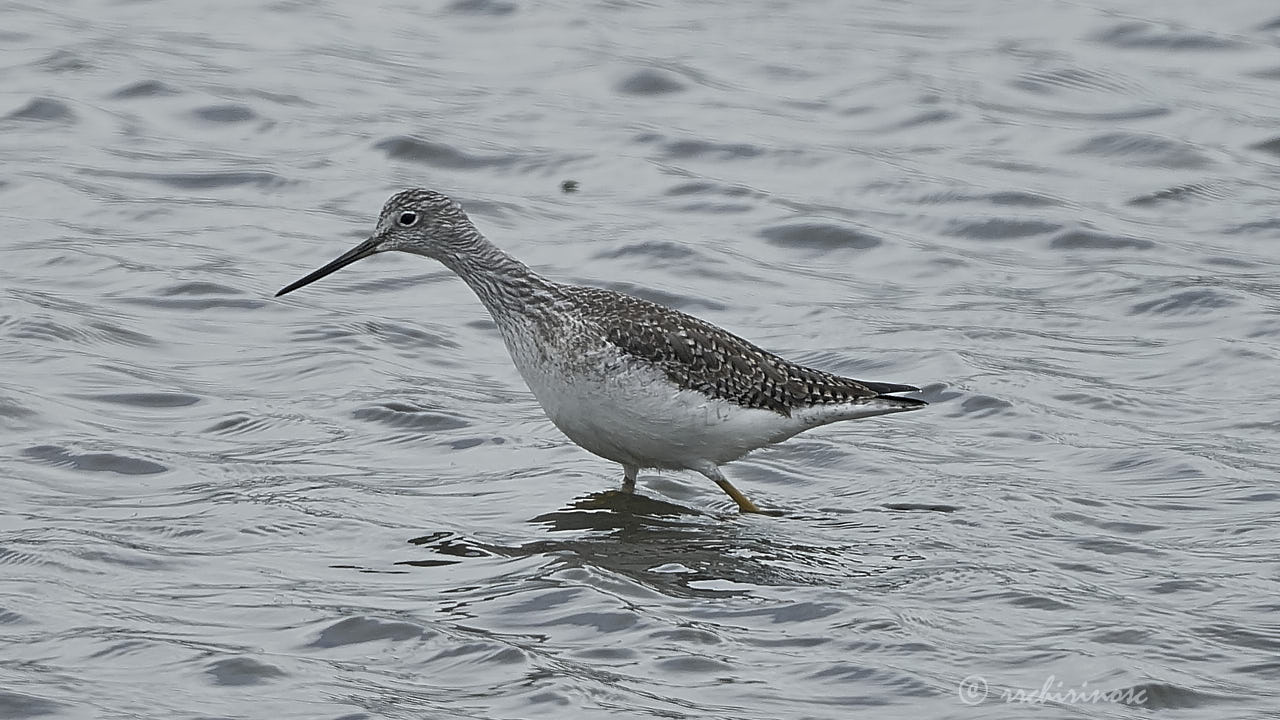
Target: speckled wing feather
697, 355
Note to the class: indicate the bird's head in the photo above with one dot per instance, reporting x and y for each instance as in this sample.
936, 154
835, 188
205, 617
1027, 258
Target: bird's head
420, 221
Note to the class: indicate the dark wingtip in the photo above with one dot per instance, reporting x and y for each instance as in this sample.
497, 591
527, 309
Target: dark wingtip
880, 388
888, 392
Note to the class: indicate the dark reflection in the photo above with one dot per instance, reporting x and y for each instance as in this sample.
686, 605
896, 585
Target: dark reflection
445, 543
614, 510
674, 549
921, 507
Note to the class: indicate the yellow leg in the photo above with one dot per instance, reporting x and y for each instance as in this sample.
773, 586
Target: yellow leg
744, 504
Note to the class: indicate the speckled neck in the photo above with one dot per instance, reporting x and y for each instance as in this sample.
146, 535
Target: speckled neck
507, 287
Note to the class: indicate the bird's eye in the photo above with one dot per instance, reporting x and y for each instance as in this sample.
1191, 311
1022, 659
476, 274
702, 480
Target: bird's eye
407, 219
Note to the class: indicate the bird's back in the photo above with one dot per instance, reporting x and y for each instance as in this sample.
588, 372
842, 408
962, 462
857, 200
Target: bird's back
696, 355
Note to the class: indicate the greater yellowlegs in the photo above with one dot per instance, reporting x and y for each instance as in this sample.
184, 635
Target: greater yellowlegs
629, 380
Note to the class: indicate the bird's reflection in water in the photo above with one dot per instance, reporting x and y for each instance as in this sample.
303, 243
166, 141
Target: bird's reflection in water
678, 550
614, 510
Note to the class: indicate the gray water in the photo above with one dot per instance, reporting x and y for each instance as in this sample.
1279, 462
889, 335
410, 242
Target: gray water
1060, 219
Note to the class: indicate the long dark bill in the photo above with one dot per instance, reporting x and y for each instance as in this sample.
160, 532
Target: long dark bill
363, 250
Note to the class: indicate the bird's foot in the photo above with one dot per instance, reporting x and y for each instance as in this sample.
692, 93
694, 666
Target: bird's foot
629, 473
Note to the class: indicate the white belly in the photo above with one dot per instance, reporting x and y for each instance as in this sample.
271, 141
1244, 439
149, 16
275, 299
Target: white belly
632, 414
626, 410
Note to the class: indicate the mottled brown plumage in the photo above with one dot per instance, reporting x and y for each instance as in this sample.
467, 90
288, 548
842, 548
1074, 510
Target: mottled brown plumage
696, 355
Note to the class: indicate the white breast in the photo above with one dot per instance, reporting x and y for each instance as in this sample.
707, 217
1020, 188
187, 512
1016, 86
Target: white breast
624, 409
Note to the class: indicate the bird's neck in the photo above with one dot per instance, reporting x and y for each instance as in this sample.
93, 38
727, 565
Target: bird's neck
504, 284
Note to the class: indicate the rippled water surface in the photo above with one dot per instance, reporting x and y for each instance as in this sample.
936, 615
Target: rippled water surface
1060, 219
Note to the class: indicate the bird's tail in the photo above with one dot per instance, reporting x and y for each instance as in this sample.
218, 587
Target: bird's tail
904, 403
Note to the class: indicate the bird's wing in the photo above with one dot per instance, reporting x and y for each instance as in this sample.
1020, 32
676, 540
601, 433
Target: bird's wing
697, 355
